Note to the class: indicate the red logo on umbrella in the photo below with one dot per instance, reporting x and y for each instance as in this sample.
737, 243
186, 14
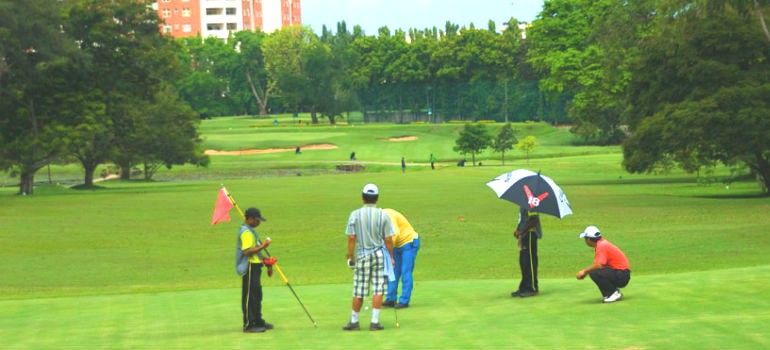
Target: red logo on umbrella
532, 200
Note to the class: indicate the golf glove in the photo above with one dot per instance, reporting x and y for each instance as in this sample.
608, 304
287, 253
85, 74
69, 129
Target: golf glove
351, 264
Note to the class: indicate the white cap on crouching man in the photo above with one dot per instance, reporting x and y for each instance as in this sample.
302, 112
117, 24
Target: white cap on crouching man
371, 189
591, 232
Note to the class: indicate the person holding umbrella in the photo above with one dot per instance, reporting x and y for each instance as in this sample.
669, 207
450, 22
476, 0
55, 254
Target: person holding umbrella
610, 270
535, 194
528, 231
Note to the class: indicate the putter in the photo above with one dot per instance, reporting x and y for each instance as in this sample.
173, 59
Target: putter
395, 312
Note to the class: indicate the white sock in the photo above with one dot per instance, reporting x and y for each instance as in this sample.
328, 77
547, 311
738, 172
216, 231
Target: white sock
375, 315
354, 317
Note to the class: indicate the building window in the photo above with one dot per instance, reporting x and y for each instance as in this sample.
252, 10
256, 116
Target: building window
213, 11
166, 13
232, 26
230, 11
185, 12
214, 26
187, 28
167, 29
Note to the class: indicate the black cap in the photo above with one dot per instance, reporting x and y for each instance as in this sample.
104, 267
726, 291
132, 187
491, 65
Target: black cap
254, 213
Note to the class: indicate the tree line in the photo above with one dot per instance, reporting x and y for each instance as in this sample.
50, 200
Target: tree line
431, 75
679, 83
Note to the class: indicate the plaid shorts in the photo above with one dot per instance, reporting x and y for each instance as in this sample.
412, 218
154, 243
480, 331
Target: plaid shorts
369, 272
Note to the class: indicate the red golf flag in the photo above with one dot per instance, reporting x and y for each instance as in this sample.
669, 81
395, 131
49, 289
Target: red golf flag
222, 208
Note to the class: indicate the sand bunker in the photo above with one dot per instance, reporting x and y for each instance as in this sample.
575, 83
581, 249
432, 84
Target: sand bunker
212, 152
402, 139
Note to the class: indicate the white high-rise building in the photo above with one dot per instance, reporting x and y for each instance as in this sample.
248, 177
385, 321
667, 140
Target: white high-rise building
220, 17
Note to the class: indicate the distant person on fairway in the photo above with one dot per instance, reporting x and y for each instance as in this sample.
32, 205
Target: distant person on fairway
403, 165
248, 263
406, 244
610, 270
527, 233
432, 161
369, 233
352, 155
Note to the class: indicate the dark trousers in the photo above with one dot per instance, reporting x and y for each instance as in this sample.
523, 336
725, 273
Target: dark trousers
528, 263
251, 297
609, 280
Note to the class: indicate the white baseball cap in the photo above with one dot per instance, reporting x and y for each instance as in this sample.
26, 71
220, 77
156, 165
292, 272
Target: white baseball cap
371, 189
591, 232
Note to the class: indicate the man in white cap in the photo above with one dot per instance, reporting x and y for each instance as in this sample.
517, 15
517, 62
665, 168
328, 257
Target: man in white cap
368, 230
610, 270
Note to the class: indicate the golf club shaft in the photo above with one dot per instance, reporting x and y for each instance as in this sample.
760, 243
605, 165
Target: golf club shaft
395, 311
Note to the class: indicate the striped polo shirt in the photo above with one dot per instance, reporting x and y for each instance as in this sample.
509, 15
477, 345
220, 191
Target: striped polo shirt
370, 225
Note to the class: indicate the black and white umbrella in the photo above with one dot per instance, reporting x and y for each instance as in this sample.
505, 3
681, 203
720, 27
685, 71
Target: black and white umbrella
532, 191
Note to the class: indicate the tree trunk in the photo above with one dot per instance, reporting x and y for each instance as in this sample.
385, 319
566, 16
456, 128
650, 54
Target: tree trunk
762, 167
473, 158
314, 116
762, 20
27, 183
503, 152
261, 101
125, 171
89, 176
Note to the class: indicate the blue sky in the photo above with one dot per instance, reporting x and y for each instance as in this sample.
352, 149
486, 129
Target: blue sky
404, 14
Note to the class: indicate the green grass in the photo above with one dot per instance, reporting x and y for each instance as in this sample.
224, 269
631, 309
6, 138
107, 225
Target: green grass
723, 309
137, 265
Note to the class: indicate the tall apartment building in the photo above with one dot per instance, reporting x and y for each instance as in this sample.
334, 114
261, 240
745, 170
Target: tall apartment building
219, 17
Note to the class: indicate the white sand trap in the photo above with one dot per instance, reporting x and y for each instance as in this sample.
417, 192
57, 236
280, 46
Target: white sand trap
402, 139
212, 152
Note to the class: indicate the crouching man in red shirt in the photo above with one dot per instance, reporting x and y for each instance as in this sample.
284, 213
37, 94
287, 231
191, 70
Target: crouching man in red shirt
610, 270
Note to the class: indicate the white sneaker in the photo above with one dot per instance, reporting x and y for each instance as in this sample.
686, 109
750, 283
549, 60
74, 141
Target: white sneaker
614, 297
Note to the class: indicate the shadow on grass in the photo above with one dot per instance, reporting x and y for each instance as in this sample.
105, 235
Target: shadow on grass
734, 196
87, 187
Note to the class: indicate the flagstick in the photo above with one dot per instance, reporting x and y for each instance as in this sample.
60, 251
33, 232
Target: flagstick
277, 268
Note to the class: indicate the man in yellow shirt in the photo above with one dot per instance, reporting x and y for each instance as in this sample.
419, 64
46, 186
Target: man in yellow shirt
406, 244
248, 264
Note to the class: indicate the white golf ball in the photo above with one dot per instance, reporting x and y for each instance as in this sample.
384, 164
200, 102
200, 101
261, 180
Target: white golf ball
366, 308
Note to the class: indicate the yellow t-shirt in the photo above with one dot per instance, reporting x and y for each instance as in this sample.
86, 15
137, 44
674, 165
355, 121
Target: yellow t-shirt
248, 242
404, 233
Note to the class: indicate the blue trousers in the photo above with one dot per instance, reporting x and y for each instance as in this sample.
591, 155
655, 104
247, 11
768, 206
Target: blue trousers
404, 257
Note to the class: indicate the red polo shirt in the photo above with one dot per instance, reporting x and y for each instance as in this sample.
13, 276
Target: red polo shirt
607, 254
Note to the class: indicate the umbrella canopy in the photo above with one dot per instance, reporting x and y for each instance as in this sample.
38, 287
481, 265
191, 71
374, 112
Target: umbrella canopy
532, 191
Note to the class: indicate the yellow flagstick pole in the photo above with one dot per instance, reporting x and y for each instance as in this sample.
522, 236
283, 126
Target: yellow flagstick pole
277, 268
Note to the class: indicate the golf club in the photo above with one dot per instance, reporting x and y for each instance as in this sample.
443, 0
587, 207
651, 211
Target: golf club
395, 311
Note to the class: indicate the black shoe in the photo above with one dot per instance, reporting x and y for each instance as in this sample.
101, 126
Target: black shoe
527, 294
516, 294
401, 306
268, 326
375, 327
388, 303
254, 329
351, 326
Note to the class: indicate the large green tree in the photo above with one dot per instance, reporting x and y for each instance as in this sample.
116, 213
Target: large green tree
700, 91
35, 101
128, 62
582, 47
